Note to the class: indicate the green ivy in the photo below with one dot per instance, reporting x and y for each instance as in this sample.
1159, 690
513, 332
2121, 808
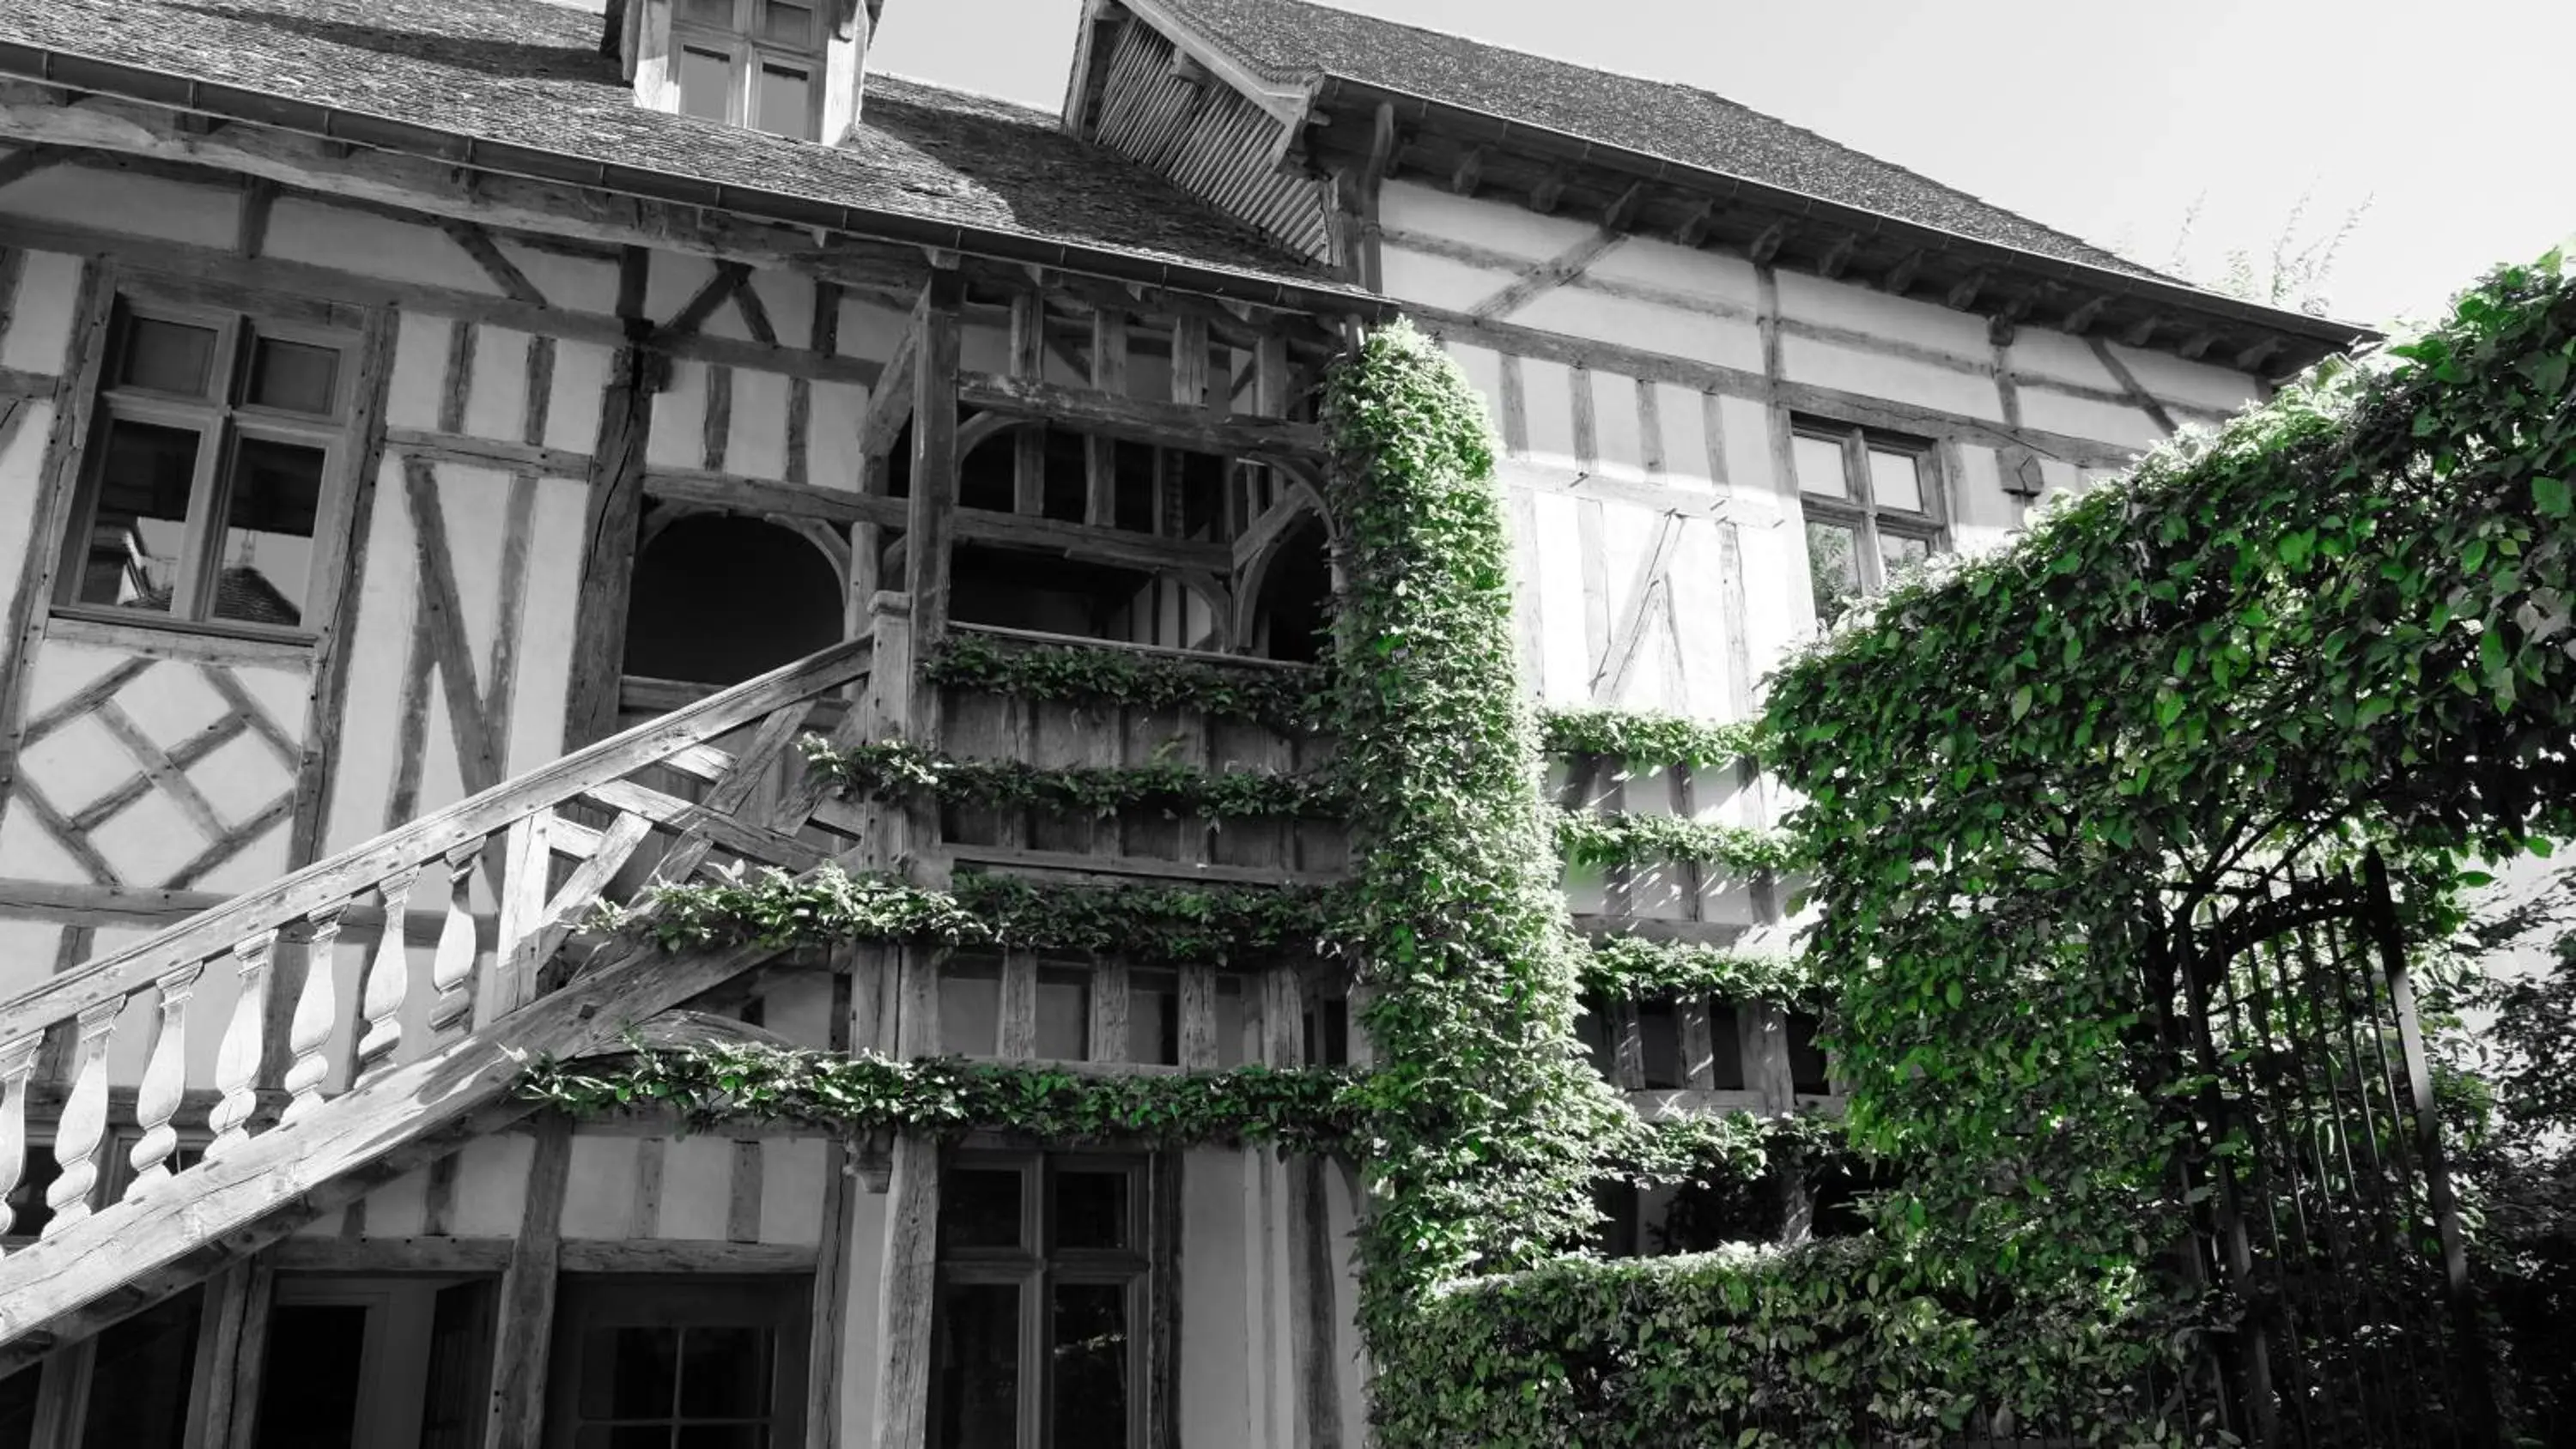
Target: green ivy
1592, 837
1287, 698
1230, 926
1830, 1344
1645, 739
1486, 1121
712, 1086
889, 769
1632, 968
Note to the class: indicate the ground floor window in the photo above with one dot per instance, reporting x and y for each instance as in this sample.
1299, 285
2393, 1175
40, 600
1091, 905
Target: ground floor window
1041, 1328
697, 1363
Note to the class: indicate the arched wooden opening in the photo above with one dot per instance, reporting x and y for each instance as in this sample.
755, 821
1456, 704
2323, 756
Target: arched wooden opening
1292, 602
718, 599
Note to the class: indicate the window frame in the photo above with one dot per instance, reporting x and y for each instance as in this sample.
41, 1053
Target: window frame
222, 419
1035, 1267
779, 1302
1859, 509
745, 51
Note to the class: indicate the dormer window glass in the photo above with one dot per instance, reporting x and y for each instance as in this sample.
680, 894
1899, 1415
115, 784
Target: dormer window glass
750, 63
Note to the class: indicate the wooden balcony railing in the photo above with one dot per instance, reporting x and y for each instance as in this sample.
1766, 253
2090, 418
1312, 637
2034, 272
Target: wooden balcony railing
502, 846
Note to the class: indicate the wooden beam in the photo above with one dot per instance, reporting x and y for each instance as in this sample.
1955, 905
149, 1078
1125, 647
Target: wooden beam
2254, 357
2146, 401
890, 407
2080, 320
931, 511
1548, 275
1900, 278
19, 165
1766, 245
1694, 228
1160, 424
1963, 293
1545, 196
1470, 173
719, 289
1624, 210
2143, 330
522, 1344
1838, 256
2198, 343
487, 254
1108, 379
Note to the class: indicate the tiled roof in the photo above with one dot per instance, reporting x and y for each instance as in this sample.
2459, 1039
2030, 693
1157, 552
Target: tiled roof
1295, 42
526, 73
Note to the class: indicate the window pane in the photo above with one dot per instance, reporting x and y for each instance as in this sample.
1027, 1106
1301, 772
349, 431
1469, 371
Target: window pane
975, 1366
705, 77
724, 1373
1153, 1018
268, 532
1820, 466
1064, 1016
316, 1352
1833, 568
139, 1377
979, 1207
168, 356
1091, 1209
970, 1010
1896, 480
1659, 1031
1808, 1069
141, 521
297, 376
724, 1436
718, 13
1899, 553
1088, 1347
785, 102
786, 24
629, 1373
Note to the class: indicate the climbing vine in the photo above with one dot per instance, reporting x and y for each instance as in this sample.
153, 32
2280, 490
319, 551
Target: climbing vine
710, 1086
1592, 837
891, 769
1287, 698
1631, 968
1645, 739
1236, 926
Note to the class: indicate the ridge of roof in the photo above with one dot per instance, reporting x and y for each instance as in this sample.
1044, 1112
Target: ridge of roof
528, 74
1301, 42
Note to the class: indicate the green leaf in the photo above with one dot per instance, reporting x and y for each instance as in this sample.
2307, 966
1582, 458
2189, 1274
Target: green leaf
2549, 495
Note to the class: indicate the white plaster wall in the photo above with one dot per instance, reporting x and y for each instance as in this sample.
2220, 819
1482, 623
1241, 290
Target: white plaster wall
370, 244
1215, 1355
121, 201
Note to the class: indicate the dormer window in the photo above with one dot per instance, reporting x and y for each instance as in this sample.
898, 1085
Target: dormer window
755, 63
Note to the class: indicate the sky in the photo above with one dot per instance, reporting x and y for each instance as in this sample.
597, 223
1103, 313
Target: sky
2452, 123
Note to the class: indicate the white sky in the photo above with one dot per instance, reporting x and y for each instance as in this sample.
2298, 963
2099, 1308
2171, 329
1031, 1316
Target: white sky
2104, 120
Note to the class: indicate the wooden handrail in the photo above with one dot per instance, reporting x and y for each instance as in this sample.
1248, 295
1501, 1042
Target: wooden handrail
1037, 639
330, 882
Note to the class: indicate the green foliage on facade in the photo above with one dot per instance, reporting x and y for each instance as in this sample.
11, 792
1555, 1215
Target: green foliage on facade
710, 1086
1590, 837
1644, 739
1285, 698
893, 769
1631, 968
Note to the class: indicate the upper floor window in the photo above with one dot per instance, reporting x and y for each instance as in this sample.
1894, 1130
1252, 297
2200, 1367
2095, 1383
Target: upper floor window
213, 464
1872, 505
751, 63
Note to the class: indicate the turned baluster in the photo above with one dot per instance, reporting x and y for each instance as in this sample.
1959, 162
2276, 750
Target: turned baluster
388, 981
452, 973
165, 1079
17, 1064
245, 1042
84, 1123
310, 1032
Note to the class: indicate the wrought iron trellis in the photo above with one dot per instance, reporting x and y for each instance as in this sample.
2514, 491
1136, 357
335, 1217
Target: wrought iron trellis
2324, 1224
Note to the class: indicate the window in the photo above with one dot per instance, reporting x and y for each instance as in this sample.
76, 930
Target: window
1038, 1335
695, 1363
218, 442
750, 63
1872, 506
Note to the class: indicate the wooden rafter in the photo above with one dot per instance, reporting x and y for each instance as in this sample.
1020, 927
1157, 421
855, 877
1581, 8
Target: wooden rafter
1470, 172
1838, 256
2081, 319
1900, 278
487, 254
1694, 228
1767, 244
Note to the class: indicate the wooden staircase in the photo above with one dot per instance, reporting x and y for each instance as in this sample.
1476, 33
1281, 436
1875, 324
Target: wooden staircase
407, 1101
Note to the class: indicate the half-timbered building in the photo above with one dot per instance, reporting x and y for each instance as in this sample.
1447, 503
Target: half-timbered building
451, 451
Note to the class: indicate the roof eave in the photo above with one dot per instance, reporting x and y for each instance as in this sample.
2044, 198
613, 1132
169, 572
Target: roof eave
251, 106
1338, 93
